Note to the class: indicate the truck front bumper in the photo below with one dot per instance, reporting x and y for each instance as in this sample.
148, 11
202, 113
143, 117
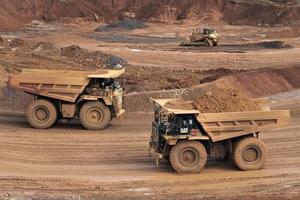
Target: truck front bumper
157, 156
120, 113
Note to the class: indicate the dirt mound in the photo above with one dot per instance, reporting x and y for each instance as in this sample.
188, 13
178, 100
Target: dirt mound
43, 46
72, 51
140, 79
217, 100
264, 82
95, 58
224, 100
125, 24
179, 104
16, 42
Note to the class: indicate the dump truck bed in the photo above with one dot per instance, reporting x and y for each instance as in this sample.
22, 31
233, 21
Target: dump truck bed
222, 126
64, 85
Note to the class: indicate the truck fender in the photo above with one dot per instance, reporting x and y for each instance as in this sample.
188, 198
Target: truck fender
172, 141
107, 101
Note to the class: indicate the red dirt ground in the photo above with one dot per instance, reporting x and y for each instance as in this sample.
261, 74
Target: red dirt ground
14, 13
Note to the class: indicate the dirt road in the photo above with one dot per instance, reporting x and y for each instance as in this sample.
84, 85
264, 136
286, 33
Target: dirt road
163, 49
67, 162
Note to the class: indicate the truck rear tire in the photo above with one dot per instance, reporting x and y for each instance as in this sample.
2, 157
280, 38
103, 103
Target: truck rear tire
188, 157
249, 154
94, 115
41, 114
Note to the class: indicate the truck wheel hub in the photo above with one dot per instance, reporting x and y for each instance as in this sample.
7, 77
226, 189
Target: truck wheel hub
188, 157
94, 115
41, 114
251, 154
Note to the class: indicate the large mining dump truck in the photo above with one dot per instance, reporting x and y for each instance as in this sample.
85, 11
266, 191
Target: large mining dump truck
187, 138
93, 97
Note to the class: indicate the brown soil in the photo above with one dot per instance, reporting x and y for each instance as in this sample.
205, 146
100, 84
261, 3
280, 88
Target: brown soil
217, 100
179, 104
141, 79
16, 54
224, 100
264, 82
14, 14
67, 162
95, 59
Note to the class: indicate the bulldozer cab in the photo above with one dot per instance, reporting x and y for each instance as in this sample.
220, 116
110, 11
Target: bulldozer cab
207, 31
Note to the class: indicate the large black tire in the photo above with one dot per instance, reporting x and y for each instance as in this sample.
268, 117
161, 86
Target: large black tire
208, 42
249, 153
94, 115
188, 157
41, 114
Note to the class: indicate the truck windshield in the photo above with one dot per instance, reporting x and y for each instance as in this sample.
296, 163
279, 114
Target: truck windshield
113, 83
181, 124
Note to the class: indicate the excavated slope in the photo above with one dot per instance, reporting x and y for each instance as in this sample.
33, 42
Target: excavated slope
15, 13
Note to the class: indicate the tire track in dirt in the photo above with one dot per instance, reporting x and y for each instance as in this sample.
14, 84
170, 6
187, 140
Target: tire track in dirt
116, 162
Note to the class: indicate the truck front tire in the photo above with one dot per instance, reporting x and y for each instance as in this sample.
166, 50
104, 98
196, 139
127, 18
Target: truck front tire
41, 114
94, 115
249, 154
188, 157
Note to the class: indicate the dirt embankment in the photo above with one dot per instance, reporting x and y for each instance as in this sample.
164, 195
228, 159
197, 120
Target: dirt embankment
14, 13
253, 84
262, 12
264, 82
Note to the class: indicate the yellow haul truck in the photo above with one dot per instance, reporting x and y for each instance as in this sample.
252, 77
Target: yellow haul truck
94, 97
187, 138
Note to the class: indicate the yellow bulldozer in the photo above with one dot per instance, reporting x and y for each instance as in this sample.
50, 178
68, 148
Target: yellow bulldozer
207, 37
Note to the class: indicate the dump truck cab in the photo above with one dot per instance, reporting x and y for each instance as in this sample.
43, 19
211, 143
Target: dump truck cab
93, 97
187, 138
169, 125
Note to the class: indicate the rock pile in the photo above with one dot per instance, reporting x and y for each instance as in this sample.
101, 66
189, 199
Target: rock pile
125, 24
